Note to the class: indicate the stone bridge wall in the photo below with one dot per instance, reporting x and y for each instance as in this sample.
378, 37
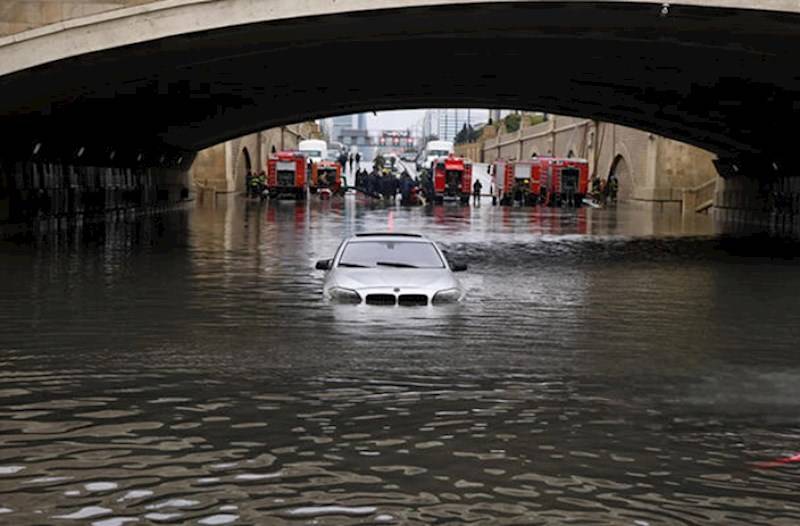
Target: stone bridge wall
20, 15
650, 168
224, 167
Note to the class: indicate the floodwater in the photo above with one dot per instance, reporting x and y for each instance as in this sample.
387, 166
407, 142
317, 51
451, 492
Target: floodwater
607, 367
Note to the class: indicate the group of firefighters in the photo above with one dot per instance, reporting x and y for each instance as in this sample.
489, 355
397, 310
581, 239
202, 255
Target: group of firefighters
353, 159
384, 184
256, 184
605, 191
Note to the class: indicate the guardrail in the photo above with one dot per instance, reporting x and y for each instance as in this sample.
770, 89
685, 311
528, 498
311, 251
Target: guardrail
205, 192
700, 198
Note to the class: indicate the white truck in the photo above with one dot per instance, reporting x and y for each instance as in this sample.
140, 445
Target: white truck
435, 150
314, 149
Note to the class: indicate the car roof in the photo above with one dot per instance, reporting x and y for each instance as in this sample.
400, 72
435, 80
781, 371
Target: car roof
382, 236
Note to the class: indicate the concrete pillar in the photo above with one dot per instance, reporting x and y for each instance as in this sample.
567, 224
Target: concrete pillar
230, 166
255, 158
651, 163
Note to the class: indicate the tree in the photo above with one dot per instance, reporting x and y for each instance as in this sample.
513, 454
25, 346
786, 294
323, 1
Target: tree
468, 134
463, 136
536, 118
513, 122
475, 135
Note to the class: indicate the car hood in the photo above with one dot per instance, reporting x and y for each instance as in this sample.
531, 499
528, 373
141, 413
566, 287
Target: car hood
362, 278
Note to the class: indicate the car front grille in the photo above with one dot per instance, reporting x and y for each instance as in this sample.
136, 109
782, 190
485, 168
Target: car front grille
413, 300
381, 299
406, 300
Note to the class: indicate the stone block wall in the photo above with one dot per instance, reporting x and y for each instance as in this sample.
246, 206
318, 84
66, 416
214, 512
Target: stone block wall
20, 15
650, 168
224, 167
761, 201
31, 191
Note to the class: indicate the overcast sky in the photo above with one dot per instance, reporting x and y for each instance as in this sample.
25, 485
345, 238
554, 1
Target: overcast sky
394, 120
404, 119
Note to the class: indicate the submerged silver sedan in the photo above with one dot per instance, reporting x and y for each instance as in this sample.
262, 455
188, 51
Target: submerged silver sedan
391, 269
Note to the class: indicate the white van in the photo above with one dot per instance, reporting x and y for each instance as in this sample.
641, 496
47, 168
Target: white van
436, 149
315, 150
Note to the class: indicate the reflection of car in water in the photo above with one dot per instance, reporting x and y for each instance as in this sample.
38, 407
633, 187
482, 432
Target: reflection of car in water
391, 269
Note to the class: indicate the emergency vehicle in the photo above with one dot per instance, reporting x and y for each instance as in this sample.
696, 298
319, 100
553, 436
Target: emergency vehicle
452, 179
566, 182
550, 181
436, 149
314, 149
499, 180
286, 175
520, 181
326, 177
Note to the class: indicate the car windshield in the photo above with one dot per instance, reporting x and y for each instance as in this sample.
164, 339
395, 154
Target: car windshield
396, 254
438, 153
311, 153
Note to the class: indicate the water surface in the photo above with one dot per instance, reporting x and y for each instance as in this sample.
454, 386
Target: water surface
608, 367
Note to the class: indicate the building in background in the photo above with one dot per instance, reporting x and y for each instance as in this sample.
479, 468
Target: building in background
401, 139
396, 141
446, 123
496, 115
337, 127
357, 138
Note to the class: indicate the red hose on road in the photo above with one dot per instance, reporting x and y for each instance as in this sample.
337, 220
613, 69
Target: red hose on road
779, 462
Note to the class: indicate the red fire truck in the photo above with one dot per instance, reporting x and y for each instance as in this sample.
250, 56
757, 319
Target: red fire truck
542, 180
452, 179
286, 175
566, 182
326, 177
520, 181
500, 180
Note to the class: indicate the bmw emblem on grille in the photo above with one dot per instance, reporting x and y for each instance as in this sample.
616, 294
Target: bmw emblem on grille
397, 290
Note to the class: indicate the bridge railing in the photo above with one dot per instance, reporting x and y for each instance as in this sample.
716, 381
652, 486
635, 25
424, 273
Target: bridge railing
700, 198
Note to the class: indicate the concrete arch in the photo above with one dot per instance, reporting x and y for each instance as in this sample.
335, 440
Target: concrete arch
166, 18
621, 169
244, 166
244, 153
181, 75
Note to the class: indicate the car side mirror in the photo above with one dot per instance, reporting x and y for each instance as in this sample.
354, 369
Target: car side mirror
324, 264
458, 267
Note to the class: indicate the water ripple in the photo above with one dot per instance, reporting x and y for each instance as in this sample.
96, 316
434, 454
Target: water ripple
604, 370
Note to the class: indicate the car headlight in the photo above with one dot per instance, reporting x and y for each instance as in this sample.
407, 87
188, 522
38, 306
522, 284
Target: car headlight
341, 295
447, 296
